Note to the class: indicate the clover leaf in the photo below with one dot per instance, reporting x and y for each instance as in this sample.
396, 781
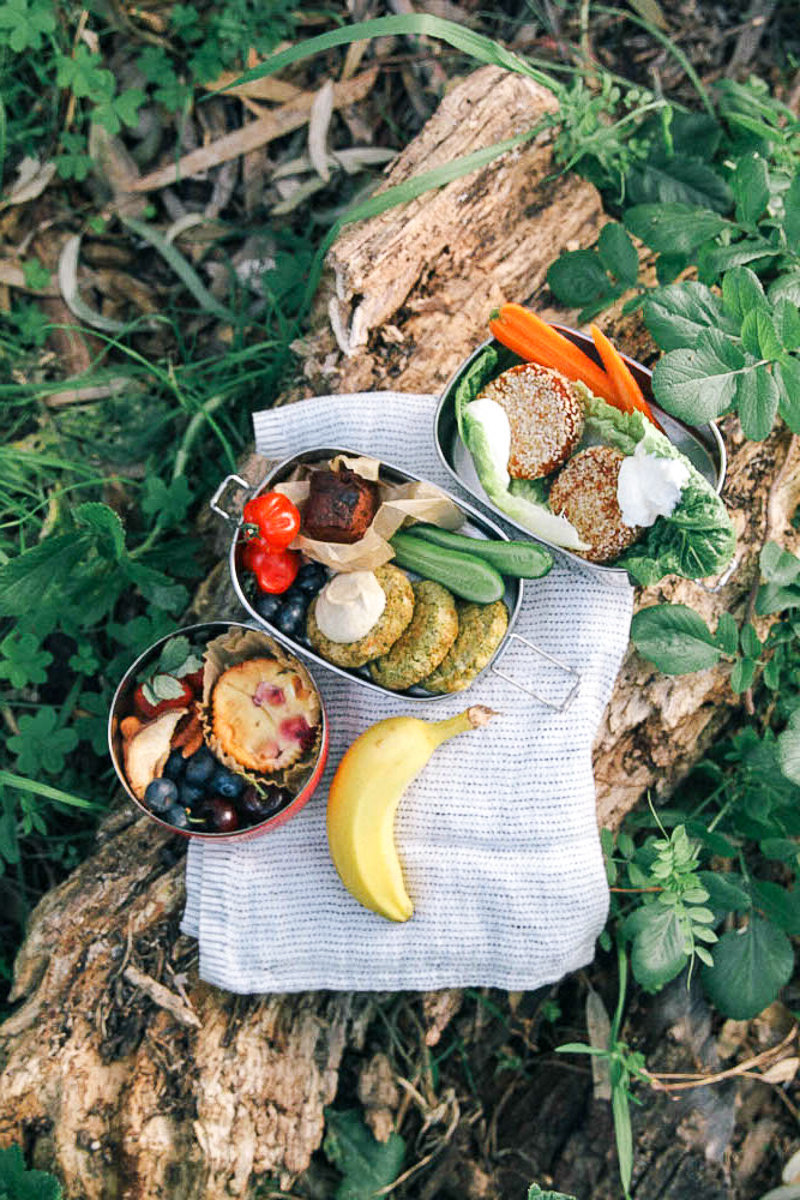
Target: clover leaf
40, 744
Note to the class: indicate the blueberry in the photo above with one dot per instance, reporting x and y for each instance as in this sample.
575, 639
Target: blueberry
267, 605
191, 794
292, 616
160, 794
201, 766
224, 783
311, 577
174, 766
177, 816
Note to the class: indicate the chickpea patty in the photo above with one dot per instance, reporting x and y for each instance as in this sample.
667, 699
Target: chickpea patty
384, 633
481, 628
585, 492
545, 414
424, 643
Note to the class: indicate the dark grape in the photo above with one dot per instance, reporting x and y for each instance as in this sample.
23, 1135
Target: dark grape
226, 784
222, 814
256, 808
311, 577
177, 816
174, 766
267, 605
160, 794
201, 766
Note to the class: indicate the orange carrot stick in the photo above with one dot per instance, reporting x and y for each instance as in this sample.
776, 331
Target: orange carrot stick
627, 390
534, 340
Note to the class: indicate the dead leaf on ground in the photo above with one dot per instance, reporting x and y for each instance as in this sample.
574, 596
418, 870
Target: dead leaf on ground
32, 179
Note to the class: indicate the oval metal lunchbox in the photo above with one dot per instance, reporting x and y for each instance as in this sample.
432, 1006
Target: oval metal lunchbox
121, 706
703, 447
476, 524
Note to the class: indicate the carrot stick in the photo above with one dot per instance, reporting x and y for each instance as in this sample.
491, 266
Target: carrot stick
534, 340
627, 390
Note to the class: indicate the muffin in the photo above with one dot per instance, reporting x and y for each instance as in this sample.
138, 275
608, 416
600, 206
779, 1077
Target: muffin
264, 714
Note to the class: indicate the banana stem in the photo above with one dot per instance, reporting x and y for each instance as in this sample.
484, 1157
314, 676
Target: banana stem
472, 718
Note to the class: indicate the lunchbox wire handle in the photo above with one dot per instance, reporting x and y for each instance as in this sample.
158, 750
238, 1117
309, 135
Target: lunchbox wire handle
566, 700
213, 503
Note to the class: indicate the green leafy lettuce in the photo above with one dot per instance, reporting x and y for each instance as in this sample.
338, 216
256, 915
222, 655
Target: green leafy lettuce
697, 540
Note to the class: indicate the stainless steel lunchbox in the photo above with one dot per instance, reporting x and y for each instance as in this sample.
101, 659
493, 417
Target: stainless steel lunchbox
476, 524
703, 447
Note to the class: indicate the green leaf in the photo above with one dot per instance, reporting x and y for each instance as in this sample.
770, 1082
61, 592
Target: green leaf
787, 376
727, 634
366, 1164
758, 334
168, 502
786, 287
673, 228
743, 674
40, 572
757, 399
791, 213
786, 322
780, 906
36, 275
623, 1134
618, 254
700, 384
750, 185
40, 744
751, 966
577, 277
726, 892
658, 951
675, 638
742, 292
18, 1183
663, 180
750, 642
82, 72
157, 587
669, 266
678, 314
24, 661
25, 23
74, 162
789, 748
713, 260
105, 526
112, 112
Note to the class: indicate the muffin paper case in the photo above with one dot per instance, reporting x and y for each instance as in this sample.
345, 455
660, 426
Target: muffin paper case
498, 835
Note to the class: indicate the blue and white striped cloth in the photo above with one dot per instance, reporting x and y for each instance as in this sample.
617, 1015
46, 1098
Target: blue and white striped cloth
498, 836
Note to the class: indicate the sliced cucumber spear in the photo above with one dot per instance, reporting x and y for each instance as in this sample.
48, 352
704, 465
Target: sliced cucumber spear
522, 560
465, 575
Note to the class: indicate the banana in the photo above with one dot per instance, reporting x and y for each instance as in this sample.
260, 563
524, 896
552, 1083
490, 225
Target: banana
364, 795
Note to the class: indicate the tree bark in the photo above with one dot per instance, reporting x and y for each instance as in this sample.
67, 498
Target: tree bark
123, 1071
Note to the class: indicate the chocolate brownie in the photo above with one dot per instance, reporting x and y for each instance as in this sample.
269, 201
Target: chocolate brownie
340, 506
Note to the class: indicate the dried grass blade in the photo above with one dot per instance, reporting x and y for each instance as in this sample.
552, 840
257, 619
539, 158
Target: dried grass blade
68, 282
318, 126
286, 119
185, 272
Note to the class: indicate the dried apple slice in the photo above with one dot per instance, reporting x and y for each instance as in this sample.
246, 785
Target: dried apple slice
148, 750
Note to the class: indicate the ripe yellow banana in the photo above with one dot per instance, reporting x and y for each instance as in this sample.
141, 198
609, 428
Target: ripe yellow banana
365, 792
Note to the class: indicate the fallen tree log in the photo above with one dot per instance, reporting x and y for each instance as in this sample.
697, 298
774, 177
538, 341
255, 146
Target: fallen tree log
122, 1071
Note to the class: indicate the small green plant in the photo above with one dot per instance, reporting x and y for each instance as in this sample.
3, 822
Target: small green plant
18, 1183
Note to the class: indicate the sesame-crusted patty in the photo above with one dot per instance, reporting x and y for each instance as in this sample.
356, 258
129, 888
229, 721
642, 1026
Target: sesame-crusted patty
545, 414
384, 633
585, 492
424, 643
481, 629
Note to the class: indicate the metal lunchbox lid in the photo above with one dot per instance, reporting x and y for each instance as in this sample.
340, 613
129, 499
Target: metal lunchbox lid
477, 523
703, 447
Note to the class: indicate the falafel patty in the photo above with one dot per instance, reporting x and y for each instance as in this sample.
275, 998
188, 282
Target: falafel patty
481, 628
545, 414
384, 633
425, 642
585, 492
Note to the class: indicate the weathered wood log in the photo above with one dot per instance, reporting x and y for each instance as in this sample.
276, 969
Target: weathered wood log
131, 1091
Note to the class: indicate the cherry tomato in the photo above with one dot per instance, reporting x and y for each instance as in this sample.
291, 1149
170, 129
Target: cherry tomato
275, 519
275, 570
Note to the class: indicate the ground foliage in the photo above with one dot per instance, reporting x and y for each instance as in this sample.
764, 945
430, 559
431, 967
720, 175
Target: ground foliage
140, 328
